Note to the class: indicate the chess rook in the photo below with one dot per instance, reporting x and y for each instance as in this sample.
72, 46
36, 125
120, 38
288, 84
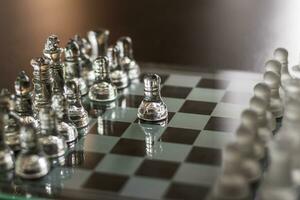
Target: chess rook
152, 107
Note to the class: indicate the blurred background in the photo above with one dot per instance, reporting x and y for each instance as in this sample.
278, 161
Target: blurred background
192, 35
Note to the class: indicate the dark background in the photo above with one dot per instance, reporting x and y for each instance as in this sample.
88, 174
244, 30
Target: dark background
198, 34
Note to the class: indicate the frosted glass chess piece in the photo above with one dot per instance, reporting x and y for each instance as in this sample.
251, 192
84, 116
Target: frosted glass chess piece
152, 107
72, 66
262, 90
86, 65
41, 83
99, 42
32, 162
103, 90
52, 143
275, 66
276, 104
64, 124
7, 160
278, 184
77, 113
281, 55
230, 187
118, 76
127, 60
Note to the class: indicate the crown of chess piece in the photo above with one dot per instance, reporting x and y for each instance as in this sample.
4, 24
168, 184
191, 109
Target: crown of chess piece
234, 162
7, 160
32, 162
281, 55
53, 53
41, 83
118, 76
126, 58
273, 82
86, 66
230, 187
76, 111
262, 91
152, 107
72, 65
99, 42
12, 123
52, 143
65, 125
103, 89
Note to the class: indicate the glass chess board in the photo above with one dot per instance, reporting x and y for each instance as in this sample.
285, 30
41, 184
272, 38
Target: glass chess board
121, 157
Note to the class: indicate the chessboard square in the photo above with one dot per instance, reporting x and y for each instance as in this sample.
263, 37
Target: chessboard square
213, 83
214, 139
157, 169
121, 114
96, 143
129, 100
78, 178
170, 151
242, 85
163, 77
135, 89
145, 188
222, 124
237, 97
173, 104
118, 164
137, 131
179, 135
182, 80
204, 155
187, 191
105, 181
197, 174
189, 121
175, 91
197, 107
204, 94
110, 128
228, 110
87, 160
129, 147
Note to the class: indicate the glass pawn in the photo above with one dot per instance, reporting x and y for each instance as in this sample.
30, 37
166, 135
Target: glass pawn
99, 42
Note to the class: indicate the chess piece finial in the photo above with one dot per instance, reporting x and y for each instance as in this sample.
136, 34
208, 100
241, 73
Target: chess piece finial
126, 57
32, 162
118, 76
72, 65
7, 161
99, 42
273, 82
152, 108
103, 90
76, 111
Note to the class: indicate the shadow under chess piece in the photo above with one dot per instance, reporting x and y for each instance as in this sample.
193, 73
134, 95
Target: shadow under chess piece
152, 107
102, 90
127, 60
99, 42
32, 162
118, 76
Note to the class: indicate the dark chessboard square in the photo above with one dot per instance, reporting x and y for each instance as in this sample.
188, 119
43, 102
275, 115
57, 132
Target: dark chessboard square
198, 107
175, 91
157, 169
180, 135
236, 97
221, 124
213, 83
204, 155
129, 100
83, 159
186, 191
163, 77
110, 128
170, 116
106, 182
129, 147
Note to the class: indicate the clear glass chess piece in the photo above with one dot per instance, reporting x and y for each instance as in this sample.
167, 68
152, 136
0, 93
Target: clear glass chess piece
99, 42
7, 160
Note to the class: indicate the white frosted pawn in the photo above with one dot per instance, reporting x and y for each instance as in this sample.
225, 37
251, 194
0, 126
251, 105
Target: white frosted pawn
230, 187
281, 55
263, 91
277, 184
273, 81
273, 66
295, 71
260, 107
